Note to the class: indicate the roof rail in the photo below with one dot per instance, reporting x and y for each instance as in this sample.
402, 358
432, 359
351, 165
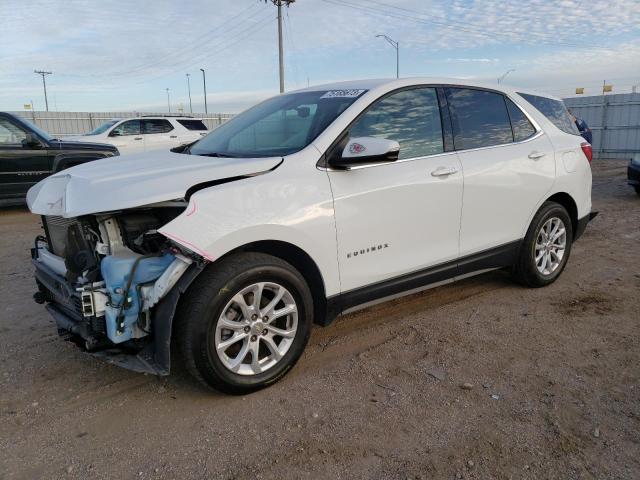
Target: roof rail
167, 116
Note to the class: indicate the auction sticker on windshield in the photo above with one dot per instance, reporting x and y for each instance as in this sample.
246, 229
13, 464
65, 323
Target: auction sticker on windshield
352, 93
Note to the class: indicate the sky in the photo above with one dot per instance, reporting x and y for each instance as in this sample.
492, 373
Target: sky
123, 55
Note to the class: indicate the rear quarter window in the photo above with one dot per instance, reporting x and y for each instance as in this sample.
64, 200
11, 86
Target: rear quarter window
520, 124
554, 110
196, 125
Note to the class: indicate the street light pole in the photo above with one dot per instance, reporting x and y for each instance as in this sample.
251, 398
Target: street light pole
189, 89
204, 83
168, 101
505, 75
395, 45
44, 85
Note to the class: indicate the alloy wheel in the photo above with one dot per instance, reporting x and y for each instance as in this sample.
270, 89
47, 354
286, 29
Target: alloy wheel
551, 243
256, 328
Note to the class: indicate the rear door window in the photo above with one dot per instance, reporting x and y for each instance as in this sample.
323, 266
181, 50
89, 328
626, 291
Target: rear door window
410, 117
156, 126
522, 127
554, 110
479, 117
197, 125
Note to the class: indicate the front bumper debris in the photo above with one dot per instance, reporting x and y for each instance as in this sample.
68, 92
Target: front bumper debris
64, 304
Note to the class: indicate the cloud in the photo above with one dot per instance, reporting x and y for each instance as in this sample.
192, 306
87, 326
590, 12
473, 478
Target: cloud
117, 57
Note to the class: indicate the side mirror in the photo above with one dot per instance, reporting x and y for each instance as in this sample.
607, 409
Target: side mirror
367, 151
114, 133
31, 141
182, 148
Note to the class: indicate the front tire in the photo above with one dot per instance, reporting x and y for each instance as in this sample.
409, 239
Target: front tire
546, 247
244, 323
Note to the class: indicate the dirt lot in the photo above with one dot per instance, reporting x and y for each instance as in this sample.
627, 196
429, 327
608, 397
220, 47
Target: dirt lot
555, 382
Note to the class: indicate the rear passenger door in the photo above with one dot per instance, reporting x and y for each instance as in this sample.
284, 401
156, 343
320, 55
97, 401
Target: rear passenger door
508, 167
159, 134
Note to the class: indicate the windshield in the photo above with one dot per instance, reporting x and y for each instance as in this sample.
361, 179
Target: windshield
279, 126
103, 128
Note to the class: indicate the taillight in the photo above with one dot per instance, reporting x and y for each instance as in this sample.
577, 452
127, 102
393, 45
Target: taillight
587, 150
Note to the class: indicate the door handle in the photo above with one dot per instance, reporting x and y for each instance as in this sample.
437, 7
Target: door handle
173, 136
443, 171
138, 138
536, 155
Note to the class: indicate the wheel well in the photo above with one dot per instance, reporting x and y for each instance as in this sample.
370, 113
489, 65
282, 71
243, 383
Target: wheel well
567, 202
299, 259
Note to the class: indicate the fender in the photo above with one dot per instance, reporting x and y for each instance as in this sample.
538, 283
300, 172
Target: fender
292, 204
71, 159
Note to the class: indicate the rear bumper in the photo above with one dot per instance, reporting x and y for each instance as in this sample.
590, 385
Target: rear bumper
633, 175
582, 224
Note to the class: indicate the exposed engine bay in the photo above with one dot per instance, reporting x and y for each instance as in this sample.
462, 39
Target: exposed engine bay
102, 275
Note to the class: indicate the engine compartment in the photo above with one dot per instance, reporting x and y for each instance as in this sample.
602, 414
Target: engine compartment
107, 271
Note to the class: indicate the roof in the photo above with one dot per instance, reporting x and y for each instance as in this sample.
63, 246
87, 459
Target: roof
390, 84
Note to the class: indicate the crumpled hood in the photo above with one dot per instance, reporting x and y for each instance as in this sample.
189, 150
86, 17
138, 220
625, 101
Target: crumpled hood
134, 180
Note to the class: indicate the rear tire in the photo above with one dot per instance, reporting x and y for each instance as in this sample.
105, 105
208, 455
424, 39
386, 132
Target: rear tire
244, 322
546, 247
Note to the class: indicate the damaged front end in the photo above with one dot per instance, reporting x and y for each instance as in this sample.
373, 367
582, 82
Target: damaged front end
112, 282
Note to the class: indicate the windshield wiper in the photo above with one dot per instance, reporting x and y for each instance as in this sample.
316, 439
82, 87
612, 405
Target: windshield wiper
216, 154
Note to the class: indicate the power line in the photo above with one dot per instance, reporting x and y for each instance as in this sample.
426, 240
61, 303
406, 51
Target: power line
221, 30
218, 31
292, 47
242, 35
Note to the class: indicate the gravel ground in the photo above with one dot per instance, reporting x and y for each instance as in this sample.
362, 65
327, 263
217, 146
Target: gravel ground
481, 379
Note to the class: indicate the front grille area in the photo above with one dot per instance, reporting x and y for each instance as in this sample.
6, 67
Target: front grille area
56, 230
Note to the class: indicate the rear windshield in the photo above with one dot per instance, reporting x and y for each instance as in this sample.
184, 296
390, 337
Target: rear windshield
554, 110
193, 124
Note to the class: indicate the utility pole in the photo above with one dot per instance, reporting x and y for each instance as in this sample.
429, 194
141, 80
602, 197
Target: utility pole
395, 45
44, 85
204, 83
189, 88
168, 101
279, 3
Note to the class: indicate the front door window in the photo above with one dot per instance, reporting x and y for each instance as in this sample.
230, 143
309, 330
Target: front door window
11, 134
410, 117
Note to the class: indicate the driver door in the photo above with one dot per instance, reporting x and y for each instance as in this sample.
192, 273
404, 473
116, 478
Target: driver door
400, 217
127, 137
21, 165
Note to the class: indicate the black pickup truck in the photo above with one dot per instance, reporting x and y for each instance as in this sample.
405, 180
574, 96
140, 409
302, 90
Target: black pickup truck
28, 154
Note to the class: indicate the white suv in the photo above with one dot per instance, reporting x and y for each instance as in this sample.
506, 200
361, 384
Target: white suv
307, 205
143, 134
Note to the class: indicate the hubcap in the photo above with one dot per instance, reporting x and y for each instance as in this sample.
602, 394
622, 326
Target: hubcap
551, 243
256, 328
